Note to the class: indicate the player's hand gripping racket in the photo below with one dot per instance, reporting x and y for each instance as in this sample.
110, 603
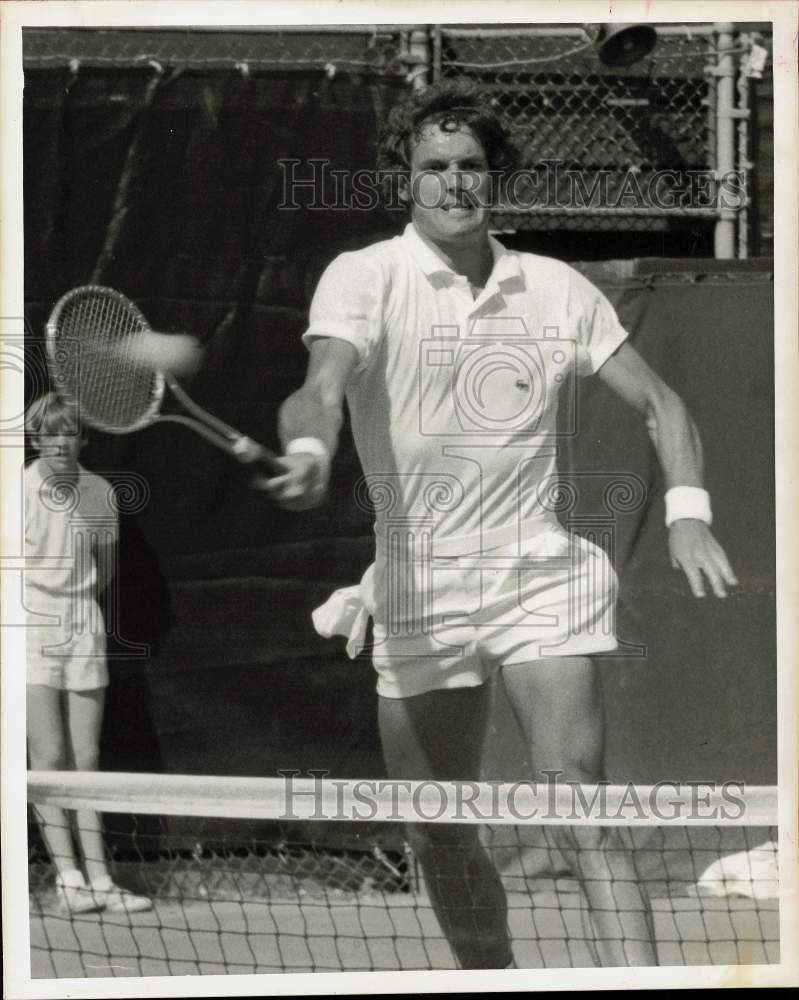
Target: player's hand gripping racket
121, 370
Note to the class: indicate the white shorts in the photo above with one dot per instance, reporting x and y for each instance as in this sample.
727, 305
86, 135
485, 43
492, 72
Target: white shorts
463, 617
70, 660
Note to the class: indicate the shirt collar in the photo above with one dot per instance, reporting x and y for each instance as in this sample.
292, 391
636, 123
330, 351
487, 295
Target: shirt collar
506, 264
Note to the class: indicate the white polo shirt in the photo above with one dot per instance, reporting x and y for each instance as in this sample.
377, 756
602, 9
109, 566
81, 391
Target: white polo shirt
454, 400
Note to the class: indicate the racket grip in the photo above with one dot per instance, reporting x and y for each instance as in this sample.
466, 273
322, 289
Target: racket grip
249, 452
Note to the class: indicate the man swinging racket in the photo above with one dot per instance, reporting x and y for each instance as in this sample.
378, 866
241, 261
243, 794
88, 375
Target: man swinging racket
473, 575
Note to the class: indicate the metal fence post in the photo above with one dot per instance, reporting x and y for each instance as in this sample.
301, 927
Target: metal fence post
745, 165
724, 235
417, 56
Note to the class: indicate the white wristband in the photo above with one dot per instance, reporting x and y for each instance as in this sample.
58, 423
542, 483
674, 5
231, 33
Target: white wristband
688, 502
310, 446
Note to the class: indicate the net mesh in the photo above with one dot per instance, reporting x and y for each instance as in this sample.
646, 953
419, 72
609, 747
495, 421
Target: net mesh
94, 336
244, 889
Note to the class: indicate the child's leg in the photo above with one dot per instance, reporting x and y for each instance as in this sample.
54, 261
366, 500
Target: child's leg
47, 752
84, 717
84, 711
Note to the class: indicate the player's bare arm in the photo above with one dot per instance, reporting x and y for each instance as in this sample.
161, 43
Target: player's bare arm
692, 546
314, 411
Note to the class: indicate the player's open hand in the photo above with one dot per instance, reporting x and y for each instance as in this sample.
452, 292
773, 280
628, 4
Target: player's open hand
301, 487
695, 551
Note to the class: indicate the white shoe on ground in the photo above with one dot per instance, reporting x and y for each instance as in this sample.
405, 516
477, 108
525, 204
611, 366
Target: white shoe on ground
114, 899
74, 895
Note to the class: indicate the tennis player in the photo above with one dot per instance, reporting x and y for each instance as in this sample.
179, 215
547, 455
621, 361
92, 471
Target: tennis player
70, 531
450, 351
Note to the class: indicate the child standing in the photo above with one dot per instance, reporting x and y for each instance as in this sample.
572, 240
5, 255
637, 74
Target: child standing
70, 541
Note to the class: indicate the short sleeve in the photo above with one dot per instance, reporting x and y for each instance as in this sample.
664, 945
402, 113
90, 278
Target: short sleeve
593, 320
348, 304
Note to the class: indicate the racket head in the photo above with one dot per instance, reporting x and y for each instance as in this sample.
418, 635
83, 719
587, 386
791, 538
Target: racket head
90, 336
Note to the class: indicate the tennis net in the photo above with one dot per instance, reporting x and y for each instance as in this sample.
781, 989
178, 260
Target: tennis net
299, 874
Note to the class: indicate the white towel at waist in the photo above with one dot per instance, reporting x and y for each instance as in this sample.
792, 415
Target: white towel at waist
346, 612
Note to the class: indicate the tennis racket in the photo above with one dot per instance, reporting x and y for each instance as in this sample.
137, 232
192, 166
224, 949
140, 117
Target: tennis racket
110, 382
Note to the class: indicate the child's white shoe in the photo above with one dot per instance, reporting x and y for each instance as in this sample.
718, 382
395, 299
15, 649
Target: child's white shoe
114, 899
73, 893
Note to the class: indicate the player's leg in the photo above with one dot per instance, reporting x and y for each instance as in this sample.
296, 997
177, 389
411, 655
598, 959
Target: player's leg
47, 751
558, 704
439, 736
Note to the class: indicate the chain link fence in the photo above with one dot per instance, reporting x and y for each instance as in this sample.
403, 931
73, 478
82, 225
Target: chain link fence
371, 50
609, 149
647, 148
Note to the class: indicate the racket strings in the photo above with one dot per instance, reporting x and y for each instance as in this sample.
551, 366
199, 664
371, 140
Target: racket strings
105, 358
110, 386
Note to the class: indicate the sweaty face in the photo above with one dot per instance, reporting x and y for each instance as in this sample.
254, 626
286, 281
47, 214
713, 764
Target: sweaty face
449, 187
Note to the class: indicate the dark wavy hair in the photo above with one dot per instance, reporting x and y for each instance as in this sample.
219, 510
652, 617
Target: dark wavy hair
451, 106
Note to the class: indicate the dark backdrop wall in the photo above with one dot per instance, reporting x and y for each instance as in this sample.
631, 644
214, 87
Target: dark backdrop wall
168, 187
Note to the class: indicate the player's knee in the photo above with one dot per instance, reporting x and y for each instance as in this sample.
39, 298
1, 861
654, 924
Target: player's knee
87, 758
582, 764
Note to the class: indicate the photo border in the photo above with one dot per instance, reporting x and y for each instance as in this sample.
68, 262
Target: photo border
187, 13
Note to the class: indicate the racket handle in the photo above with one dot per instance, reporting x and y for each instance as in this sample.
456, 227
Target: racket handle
249, 452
